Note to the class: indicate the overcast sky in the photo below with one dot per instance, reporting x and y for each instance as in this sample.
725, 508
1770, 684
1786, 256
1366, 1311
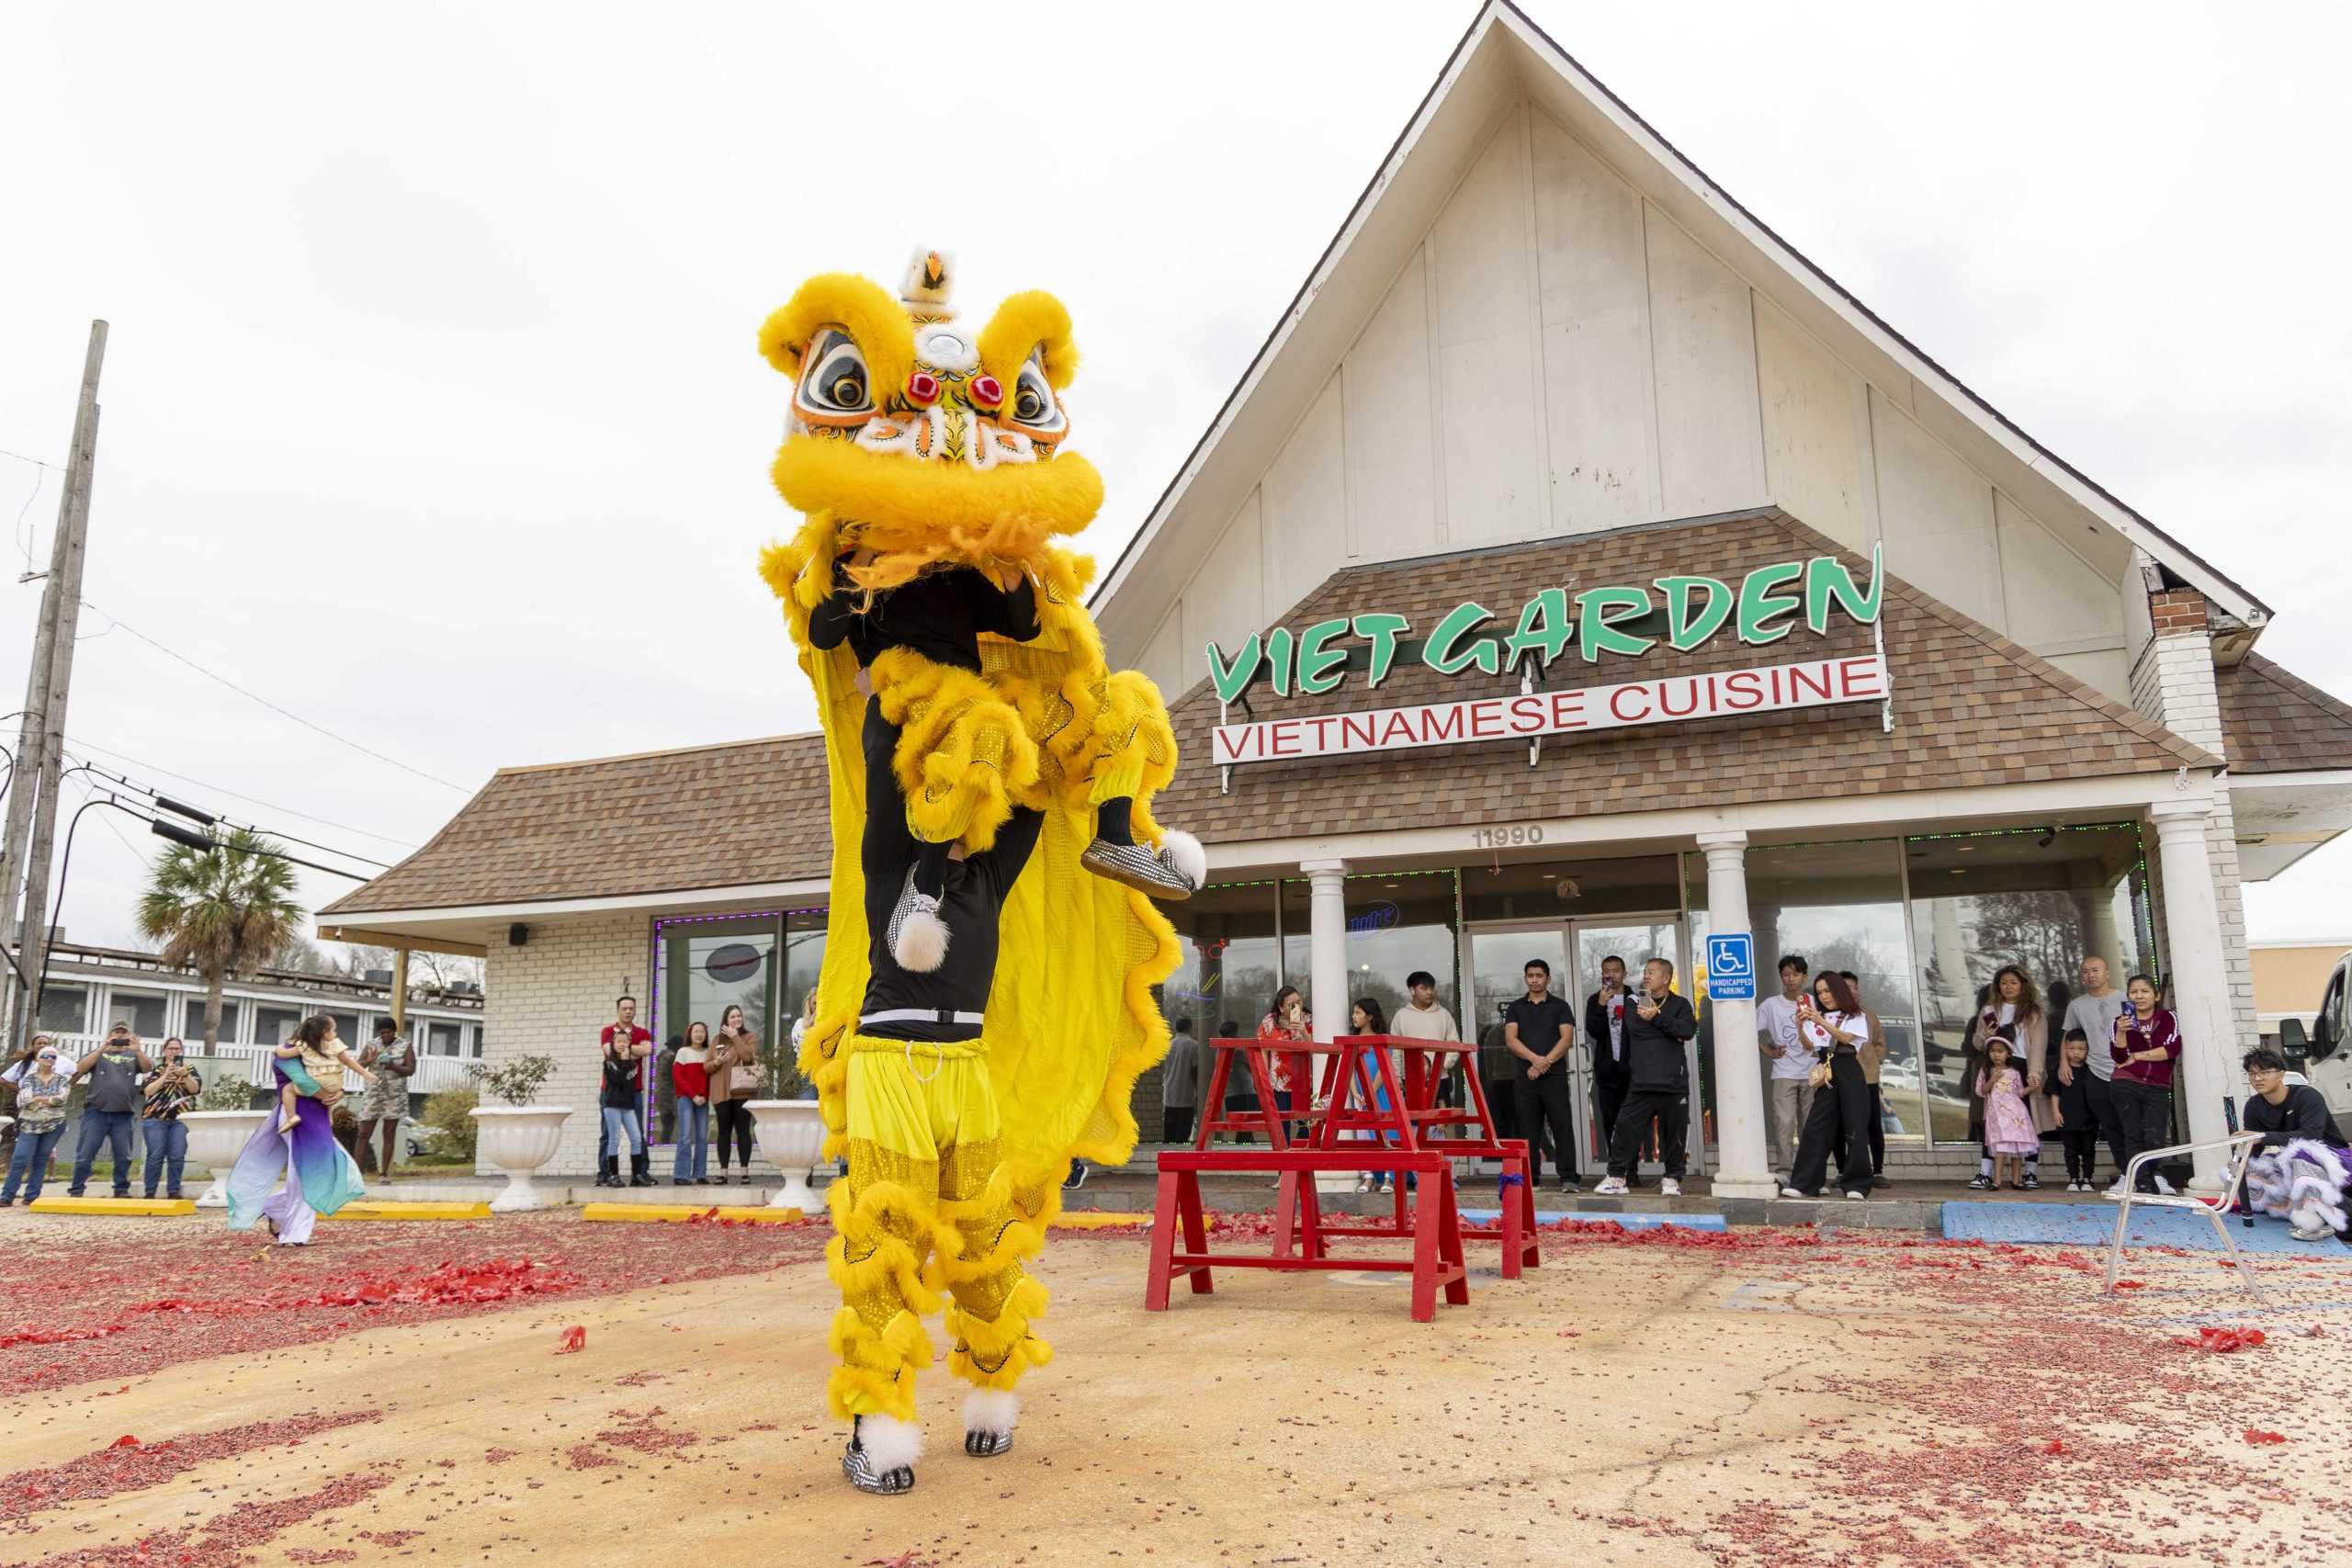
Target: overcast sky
433, 415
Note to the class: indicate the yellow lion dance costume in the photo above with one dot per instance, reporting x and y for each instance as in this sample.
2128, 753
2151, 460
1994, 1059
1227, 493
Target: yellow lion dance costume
985, 1003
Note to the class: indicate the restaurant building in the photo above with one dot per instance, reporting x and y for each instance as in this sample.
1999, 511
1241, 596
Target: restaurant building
1576, 569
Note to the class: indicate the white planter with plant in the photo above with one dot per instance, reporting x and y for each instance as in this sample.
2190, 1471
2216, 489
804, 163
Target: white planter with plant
792, 1136
215, 1139
517, 1138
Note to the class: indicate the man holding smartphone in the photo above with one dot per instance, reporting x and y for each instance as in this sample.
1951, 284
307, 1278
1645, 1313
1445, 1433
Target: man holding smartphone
110, 1114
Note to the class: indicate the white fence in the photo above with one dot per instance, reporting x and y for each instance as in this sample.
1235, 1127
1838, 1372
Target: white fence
432, 1073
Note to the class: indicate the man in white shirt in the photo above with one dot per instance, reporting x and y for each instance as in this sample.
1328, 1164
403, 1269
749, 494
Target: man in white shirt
1793, 1059
1421, 1018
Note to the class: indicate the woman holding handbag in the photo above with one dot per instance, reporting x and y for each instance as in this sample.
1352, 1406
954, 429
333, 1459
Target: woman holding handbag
735, 1079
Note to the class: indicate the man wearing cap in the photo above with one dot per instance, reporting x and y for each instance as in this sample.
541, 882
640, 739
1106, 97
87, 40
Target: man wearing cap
110, 1112
41, 1091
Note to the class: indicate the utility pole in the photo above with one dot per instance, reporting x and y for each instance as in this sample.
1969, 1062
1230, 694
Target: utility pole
32, 803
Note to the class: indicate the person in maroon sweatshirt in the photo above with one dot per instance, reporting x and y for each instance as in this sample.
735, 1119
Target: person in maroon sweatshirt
690, 1076
2147, 1047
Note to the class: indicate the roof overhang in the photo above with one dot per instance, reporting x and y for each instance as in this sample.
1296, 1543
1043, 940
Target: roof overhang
1502, 57
483, 925
2283, 816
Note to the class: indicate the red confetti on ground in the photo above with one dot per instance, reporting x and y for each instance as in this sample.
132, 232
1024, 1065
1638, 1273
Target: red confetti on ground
499, 1456
205, 1292
310, 1554
226, 1541
2220, 1341
390, 1538
584, 1456
2054, 1445
127, 1465
2256, 1436
645, 1433
571, 1340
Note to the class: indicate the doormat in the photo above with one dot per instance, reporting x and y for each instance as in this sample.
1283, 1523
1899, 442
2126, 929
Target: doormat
2093, 1225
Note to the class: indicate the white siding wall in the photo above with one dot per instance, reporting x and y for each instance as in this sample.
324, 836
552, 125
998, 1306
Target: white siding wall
550, 998
1559, 357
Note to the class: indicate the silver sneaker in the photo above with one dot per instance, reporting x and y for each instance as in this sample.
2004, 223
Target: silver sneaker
988, 1444
858, 1465
1149, 872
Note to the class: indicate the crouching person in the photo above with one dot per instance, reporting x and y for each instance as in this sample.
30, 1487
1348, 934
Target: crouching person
2300, 1172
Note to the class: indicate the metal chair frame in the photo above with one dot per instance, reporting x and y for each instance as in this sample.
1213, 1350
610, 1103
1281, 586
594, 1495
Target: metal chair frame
2241, 1147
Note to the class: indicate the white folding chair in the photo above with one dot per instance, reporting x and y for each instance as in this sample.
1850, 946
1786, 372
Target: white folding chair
2240, 1148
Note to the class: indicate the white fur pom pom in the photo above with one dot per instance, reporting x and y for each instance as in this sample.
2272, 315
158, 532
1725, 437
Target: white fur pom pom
1184, 852
923, 943
891, 1443
991, 1410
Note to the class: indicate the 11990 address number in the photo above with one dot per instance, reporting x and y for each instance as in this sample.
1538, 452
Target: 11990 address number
1505, 838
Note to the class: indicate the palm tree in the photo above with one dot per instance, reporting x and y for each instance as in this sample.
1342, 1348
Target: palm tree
220, 911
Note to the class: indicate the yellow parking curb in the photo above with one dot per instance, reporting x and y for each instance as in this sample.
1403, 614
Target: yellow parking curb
368, 1209
675, 1213
1098, 1220
146, 1206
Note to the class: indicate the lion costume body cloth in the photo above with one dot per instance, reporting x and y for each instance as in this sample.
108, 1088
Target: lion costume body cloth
915, 448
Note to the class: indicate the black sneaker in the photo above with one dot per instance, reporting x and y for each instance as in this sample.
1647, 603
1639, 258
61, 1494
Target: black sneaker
1980, 1184
1571, 1187
1077, 1177
2032, 1182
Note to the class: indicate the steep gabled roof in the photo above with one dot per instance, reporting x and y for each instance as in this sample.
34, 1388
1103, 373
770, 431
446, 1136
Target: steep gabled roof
747, 813
1504, 54
1970, 707
2274, 723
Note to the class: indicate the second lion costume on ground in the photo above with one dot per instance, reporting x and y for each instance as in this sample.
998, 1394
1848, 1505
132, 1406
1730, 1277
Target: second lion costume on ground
985, 1004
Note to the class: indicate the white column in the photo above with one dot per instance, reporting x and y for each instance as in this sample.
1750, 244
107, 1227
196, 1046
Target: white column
1327, 968
2094, 896
2199, 975
1744, 1172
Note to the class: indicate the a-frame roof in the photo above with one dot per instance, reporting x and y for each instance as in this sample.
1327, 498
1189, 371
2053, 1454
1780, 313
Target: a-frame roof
1971, 709
1503, 57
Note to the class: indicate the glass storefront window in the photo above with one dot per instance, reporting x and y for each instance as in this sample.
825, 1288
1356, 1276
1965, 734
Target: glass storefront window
2041, 898
1569, 890
1398, 921
1230, 969
1839, 906
766, 963
804, 958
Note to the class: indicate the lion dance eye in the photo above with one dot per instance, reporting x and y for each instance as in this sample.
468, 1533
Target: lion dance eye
836, 380
1033, 400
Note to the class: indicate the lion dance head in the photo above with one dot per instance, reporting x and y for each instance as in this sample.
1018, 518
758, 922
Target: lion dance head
920, 441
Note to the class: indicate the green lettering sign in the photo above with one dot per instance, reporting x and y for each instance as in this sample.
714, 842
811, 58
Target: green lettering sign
1826, 579
1684, 629
1596, 607
1233, 679
1438, 653
1279, 647
1759, 606
1543, 625
1381, 630
1320, 667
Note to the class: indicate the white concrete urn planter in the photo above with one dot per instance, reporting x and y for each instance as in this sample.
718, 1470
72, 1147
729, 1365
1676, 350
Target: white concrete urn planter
518, 1139
215, 1139
791, 1135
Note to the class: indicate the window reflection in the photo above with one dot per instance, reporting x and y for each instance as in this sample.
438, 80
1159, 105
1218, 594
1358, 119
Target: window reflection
1398, 922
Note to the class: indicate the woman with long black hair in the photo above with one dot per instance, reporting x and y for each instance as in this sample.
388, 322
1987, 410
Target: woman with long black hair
1832, 1021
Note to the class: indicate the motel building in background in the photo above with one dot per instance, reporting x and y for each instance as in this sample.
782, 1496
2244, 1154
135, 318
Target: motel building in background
1576, 571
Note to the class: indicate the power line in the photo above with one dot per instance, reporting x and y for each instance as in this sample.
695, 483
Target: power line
158, 796
35, 462
284, 712
236, 795
24, 539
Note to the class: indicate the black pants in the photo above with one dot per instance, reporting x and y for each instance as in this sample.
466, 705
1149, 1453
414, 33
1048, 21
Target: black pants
1543, 1103
1503, 1101
2110, 1120
1670, 1108
2145, 1112
2082, 1151
1609, 1099
1878, 1132
1176, 1123
1840, 1120
733, 1116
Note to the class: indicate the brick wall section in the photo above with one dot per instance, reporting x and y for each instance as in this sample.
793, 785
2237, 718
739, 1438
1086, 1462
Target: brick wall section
550, 998
2174, 684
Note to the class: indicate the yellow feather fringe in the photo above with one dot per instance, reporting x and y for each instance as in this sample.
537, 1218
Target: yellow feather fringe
962, 755
876, 1371
995, 1355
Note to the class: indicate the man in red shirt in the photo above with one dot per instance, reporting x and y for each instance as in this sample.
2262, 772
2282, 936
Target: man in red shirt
620, 1101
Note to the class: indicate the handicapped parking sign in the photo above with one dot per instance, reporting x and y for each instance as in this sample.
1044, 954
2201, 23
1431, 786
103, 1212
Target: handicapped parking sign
1731, 967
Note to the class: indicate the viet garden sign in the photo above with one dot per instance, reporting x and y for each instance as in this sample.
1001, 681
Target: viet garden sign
1768, 605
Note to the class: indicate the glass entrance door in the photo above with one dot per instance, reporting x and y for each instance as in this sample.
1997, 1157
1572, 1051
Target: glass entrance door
1637, 939
1494, 969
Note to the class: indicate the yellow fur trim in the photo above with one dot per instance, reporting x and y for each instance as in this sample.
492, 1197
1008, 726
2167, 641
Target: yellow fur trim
914, 514
1025, 322
876, 1225
859, 305
876, 1374
994, 1355
1020, 1203
962, 753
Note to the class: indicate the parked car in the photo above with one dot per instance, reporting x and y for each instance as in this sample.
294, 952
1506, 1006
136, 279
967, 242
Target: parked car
2325, 1057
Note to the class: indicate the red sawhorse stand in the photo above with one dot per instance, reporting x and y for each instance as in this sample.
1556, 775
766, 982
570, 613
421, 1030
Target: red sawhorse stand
1435, 1227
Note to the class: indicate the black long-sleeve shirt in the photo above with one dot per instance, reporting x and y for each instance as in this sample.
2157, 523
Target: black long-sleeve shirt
939, 614
1608, 1060
2303, 1114
1653, 1045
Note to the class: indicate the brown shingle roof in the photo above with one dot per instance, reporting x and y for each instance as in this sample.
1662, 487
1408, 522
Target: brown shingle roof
2274, 723
1970, 707
752, 811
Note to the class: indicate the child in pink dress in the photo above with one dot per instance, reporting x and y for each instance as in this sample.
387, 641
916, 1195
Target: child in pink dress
2008, 1123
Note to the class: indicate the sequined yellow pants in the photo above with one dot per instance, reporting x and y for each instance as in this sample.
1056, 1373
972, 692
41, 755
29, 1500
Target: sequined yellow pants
930, 1207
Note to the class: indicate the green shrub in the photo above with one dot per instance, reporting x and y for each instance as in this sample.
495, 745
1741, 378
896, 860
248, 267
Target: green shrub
450, 1115
515, 1081
227, 1090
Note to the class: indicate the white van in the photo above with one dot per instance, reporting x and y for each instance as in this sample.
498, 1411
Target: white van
2326, 1059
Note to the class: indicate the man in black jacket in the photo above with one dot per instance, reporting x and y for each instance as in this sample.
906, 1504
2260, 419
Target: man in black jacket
2302, 1190
1658, 1025
1604, 1032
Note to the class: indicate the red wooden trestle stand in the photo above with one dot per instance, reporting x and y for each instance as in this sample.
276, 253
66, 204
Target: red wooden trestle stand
1364, 1122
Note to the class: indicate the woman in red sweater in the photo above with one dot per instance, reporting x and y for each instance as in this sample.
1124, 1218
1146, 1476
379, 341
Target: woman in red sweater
691, 1077
2147, 1045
